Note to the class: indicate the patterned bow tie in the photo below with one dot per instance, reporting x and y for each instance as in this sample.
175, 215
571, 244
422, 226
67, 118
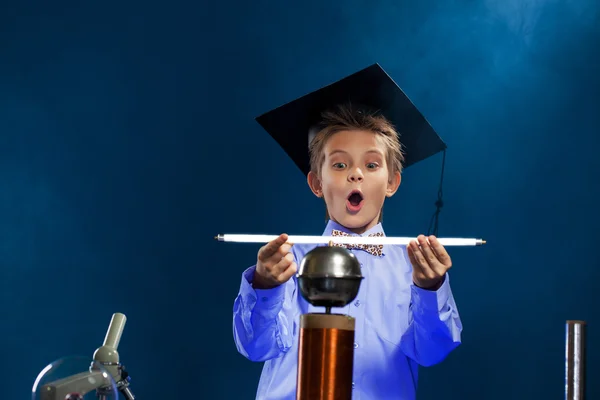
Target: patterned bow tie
374, 249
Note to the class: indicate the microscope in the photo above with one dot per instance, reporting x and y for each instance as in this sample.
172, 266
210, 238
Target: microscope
105, 374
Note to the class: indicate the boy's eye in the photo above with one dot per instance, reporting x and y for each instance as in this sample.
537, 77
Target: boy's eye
339, 165
372, 165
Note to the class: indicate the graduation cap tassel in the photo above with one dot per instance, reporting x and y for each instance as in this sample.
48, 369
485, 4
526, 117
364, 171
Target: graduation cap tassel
438, 204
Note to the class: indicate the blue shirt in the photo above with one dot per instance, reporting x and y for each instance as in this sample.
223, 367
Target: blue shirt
398, 326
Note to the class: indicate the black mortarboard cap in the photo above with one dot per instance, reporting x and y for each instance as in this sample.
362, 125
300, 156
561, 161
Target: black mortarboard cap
372, 88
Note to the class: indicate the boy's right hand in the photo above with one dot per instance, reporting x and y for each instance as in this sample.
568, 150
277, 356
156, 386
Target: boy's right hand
275, 264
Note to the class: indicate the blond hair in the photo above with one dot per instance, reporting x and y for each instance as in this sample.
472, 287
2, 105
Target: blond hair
348, 117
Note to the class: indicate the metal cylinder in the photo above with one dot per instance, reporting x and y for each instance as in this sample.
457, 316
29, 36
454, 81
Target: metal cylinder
575, 360
325, 357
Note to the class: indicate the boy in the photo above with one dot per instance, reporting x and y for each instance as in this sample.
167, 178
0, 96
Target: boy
405, 313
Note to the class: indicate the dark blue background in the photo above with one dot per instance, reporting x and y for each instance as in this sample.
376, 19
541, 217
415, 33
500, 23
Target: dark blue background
127, 141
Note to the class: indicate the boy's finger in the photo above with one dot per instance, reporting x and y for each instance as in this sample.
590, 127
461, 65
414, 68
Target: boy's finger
417, 259
288, 273
411, 254
428, 255
440, 251
285, 248
283, 264
271, 248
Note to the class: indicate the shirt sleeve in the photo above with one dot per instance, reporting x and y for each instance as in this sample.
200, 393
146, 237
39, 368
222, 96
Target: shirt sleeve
263, 319
434, 325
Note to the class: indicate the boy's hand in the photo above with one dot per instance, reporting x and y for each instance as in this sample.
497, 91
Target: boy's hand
430, 262
275, 264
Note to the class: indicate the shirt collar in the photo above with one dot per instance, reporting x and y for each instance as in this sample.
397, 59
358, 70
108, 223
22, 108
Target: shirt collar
331, 225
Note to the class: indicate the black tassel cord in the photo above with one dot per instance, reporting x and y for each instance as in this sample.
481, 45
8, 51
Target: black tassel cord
434, 223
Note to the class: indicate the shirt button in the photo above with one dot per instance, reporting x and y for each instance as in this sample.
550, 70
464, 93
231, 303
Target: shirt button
352, 385
355, 345
265, 299
357, 303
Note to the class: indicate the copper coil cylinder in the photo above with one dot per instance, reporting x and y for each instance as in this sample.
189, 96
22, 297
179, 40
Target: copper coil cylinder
575, 360
325, 357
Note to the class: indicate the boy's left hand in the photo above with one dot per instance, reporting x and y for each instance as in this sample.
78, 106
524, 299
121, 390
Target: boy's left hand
430, 262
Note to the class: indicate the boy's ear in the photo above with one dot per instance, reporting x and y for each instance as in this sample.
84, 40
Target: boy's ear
315, 184
393, 184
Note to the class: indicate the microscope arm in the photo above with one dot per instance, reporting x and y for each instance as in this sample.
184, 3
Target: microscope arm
81, 384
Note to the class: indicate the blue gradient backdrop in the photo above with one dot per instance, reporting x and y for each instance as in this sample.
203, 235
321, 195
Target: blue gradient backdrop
127, 141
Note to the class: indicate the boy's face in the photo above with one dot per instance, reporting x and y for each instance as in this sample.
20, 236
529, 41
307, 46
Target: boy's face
355, 179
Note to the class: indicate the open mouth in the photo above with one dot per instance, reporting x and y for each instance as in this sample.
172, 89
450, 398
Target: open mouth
355, 201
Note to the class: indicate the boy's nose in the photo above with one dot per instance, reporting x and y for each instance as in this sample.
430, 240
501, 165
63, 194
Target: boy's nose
355, 176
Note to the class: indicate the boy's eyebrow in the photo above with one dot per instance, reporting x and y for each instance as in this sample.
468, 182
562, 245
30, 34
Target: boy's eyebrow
376, 151
337, 151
